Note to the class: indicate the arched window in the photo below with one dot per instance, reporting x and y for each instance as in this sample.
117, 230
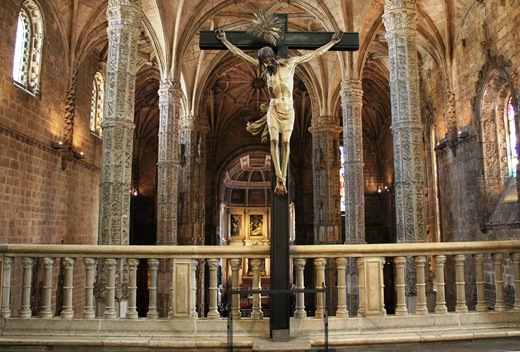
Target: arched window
28, 45
343, 204
512, 150
96, 112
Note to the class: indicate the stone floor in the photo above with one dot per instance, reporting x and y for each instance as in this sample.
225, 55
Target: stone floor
491, 345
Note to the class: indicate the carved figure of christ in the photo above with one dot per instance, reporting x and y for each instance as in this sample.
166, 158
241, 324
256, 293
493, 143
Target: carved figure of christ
279, 73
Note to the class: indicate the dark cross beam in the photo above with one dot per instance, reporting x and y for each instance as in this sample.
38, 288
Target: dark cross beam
279, 303
286, 41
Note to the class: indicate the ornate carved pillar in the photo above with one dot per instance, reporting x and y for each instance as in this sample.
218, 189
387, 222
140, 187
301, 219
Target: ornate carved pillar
192, 162
124, 28
168, 162
400, 20
326, 161
352, 106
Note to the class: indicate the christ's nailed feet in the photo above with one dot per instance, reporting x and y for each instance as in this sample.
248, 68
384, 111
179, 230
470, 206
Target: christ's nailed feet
280, 188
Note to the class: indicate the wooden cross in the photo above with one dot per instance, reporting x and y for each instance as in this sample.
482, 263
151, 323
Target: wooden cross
287, 40
280, 268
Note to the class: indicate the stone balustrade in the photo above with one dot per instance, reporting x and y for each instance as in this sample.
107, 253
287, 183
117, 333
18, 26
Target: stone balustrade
419, 282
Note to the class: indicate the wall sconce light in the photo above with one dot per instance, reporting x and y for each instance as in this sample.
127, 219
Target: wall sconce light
58, 145
463, 134
78, 155
441, 145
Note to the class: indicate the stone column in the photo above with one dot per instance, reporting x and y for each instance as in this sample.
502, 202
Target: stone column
168, 162
400, 20
192, 162
124, 29
352, 105
167, 182
326, 161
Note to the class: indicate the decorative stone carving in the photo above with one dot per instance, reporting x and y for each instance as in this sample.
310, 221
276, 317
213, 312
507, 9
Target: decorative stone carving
400, 20
352, 105
168, 162
192, 212
70, 108
124, 28
327, 215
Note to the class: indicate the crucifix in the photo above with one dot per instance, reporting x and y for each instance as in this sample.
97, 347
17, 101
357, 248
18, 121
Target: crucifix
237, 41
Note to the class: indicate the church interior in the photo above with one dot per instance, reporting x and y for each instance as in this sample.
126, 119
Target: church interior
118, 130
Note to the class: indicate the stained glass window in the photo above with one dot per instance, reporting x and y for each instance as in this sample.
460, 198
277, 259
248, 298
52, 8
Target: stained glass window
512, 149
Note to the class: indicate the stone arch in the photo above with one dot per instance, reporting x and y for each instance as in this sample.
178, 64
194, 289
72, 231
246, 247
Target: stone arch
493, 88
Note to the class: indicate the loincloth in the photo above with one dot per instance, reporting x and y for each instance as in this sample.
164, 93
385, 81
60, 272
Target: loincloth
282, 121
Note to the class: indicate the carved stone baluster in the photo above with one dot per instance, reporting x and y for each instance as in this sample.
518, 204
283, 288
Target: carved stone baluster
400, 286
153, 266
7, 263
479, 282
498, 261
320, 264
422, 307
171, 310
90, 266
440, 308
213, 289
256, 265
46, 311
235, 264
131, 311
461, 284
193, 289
341, 265
68, 288
28, 264
299, 311
516, 267
110, 312
361, 286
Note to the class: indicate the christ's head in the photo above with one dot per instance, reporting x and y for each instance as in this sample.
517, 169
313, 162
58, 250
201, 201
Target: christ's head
267, 60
